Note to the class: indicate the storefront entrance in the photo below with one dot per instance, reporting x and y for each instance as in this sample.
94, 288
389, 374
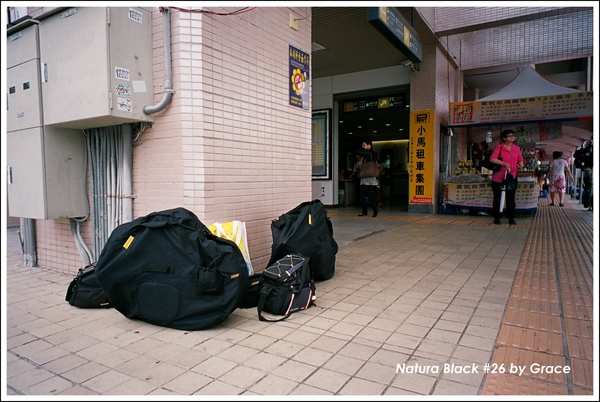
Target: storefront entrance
384, 119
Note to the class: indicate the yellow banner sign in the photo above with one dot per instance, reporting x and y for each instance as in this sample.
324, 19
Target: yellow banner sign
421, 183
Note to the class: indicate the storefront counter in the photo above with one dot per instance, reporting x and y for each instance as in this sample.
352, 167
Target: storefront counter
478, 196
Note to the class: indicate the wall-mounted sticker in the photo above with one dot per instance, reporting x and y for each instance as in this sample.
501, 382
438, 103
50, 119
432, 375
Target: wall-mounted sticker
139, 86
122, 89
135, 15
122, 73
124, 104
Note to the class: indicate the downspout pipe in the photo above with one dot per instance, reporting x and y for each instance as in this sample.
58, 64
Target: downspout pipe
127, 187
168, 94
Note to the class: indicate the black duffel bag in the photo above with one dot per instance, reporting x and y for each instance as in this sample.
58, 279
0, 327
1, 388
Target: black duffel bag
168, 269
306, 230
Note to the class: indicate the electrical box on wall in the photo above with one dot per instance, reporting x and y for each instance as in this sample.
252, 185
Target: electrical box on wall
23, 80
46, 173
96, 66
46, 169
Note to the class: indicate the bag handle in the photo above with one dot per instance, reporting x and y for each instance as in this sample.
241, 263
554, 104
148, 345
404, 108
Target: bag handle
264, 293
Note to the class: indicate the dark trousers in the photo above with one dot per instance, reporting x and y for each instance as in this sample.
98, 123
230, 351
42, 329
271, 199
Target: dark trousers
367, 193
510, 200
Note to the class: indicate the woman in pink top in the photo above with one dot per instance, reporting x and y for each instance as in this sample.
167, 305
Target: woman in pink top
509, 157
556, 176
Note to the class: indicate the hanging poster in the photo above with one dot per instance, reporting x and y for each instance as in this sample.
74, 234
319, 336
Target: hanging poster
299, 75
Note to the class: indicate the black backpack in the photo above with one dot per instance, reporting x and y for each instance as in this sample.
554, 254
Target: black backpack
306, 230
287, 287
168, 269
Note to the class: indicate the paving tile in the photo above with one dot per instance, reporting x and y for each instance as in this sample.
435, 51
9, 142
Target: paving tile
531, 339
245, 377
580, 347
506, 384
135, 386
527, 319
187, 383
214, 367
419, 384
359, 386
533, 305
218, 387
51, 386
578, 311
447, 387
377, 373
583, 372
584, 328
327, 380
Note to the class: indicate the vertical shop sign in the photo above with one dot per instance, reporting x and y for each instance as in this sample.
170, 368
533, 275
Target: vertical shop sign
299, 84
421, 157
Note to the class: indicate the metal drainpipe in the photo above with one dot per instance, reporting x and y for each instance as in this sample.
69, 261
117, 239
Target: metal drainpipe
28, 242
168, 94
127, 188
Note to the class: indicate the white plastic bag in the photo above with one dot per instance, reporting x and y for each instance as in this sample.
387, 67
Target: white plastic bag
236, 232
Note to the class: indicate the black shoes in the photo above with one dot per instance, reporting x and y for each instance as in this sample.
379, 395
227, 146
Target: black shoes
512, 222
561, 205
497, 222
374, 215
551, 204
361, 214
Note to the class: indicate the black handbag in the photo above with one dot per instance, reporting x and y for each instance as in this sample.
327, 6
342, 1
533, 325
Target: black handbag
486, 163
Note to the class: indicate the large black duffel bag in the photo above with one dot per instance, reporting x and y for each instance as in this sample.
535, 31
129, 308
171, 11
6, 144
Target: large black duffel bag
168, 269
306, 230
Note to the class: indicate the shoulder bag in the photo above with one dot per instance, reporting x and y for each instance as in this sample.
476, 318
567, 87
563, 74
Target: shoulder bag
368, 169
486, 163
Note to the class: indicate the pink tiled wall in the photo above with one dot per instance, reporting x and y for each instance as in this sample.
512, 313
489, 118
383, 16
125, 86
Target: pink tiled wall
229, 146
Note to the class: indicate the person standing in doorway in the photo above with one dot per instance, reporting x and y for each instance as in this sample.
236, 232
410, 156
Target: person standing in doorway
509, 157
556, 176
368, 185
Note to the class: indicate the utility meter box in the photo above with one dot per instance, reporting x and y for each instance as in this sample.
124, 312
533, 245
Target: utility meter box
23, 80
46, 173
96, 66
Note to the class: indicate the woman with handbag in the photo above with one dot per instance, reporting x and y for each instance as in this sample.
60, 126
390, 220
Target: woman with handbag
369, 179
508, 156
